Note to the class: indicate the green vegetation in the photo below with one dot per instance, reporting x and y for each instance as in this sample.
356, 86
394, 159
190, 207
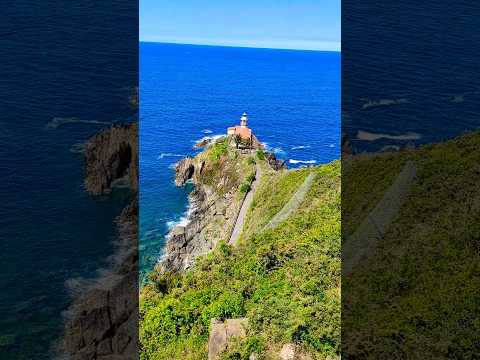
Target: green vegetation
417, 293
251, 161
286, 280
222, 162
245, 188
217, 150
260, 154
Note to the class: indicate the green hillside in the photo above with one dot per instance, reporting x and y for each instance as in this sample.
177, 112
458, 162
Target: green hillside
285, 280
418, 293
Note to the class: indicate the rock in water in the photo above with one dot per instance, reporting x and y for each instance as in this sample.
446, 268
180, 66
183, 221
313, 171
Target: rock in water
275, 163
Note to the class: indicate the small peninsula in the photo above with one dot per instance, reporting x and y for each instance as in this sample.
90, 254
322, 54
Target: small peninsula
254, 270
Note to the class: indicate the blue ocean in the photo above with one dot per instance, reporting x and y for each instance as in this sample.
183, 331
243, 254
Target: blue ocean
410, 73
63, 80
188, 92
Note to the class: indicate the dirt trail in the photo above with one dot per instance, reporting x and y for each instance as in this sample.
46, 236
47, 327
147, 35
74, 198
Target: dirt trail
293, 203
364, 241
237, 230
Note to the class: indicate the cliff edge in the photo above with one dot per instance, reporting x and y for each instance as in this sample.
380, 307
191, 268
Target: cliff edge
221, 175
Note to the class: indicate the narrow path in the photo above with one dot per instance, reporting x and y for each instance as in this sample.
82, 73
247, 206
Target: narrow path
364, 241
237, 230
293, 203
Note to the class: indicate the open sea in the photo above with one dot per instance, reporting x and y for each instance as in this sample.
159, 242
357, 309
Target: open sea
63, 79
188, 92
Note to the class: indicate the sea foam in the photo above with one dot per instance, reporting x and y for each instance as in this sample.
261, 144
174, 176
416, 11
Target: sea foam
384, 102
164, 155
57, 122
300, 147
293, 161
369, 136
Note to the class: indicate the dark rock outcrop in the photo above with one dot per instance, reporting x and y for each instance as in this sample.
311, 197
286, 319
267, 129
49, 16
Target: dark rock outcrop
184, 170
275, 163
111, 155
211, 217
102, 322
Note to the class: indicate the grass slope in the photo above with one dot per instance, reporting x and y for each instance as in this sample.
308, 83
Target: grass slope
286, 280
417, 297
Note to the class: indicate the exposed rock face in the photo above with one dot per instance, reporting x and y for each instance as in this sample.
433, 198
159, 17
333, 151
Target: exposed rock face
202, 143
274, 163
184, 170
102, 323
288, 352
256, 144
211, 218
111, 155
221, 332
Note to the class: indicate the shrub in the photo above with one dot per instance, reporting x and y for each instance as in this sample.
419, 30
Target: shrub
285, 281
218, 150
244, 188
251, 161
227, 305
250, 178
260, 155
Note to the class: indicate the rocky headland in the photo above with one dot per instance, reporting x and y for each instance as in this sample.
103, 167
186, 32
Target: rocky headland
217, 174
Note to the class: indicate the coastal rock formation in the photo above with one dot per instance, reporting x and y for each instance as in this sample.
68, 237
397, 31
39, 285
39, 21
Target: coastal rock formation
275, 163
210, 219
111, 155
103, 319
214, 206
102, 322
184, 171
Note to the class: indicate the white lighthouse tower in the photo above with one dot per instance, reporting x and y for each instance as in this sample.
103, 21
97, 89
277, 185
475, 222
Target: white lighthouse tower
243, 120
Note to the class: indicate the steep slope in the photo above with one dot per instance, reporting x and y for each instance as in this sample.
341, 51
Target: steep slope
417, 293
284, 280
218, 174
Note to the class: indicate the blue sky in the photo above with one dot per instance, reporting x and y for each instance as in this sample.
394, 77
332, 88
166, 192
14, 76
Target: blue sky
285, 24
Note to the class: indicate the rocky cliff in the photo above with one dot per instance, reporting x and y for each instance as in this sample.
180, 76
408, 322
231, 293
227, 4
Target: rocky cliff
213, 205
110, 156
217, 173
102, 323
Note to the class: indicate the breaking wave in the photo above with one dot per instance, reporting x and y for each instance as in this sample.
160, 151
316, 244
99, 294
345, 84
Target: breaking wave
300, 147
211, 138
207, 131
184, 220
384, 102
78, 148
275, 150
164, 155
368, 136
293, 161
57, 122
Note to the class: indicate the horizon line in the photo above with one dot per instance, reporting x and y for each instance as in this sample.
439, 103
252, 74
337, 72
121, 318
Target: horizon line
237, 46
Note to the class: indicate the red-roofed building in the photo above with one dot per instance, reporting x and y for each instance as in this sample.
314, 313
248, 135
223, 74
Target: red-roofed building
241, 130
242, 136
